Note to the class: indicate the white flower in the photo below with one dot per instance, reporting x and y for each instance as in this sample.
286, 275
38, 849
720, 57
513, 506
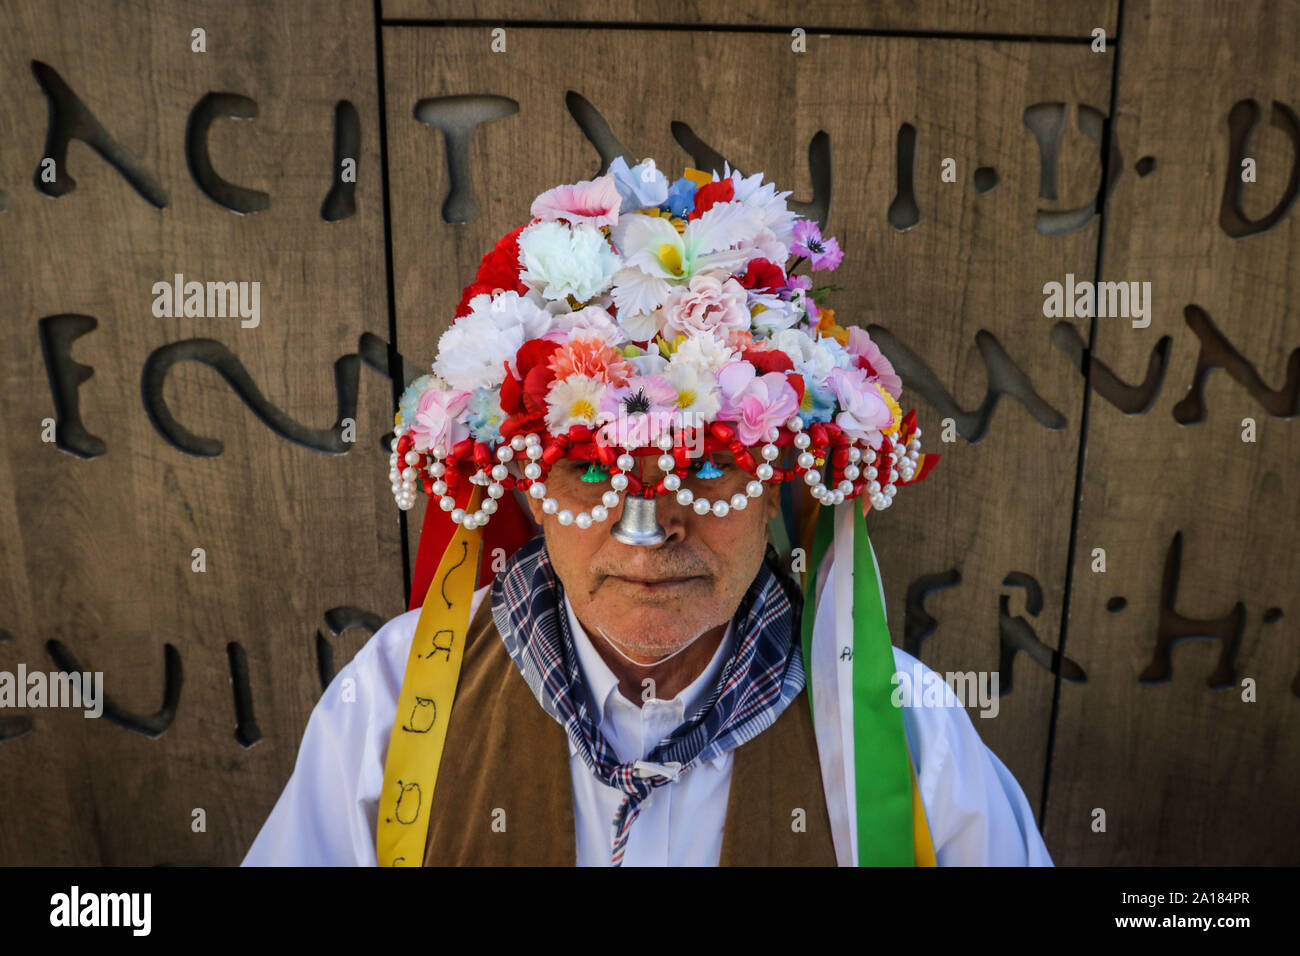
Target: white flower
473, 352
561, 260
775, 315
656, 257
795, 343
706, 351
641, 186
770, 206
696, 387
573, 401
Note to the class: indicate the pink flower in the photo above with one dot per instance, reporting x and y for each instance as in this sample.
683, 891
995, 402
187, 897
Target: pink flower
868, 357
804, 284
638, 412
864, 411
824, 252
594, 201
755, 402
706, 304
438, 425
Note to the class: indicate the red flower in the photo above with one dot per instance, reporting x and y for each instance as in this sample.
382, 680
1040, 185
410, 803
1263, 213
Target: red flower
763, 276
721, 191
768, 360
499, 269
524, 399
796, 382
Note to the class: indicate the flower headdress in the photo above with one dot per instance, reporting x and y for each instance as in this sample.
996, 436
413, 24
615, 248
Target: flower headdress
633, 316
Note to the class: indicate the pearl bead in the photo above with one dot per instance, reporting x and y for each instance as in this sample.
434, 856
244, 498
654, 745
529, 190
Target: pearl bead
534, 452
618, 482
667, 462
685, 496
517, 442
869, 455
818, 491
437, 469
599, 513
489, 506
873, 487
537, 489
406, 505
446, 502
845, 487
583, 520
720, 508
565, 517
495, 490
739, 502
532, 438
609, 499
771, 452
806, 459
499, 471
855, 453
802, 440
754, 489
504, 454
916, 433
458, 515
550, 506
532, 470
672, 482
408, 474
394, 475
871, 471
763, 471
413, 457
812, 476
893, 475
851, 472
773, 433
839, 497
665, 441
439, 487
913, 455
624, 462
392, 445
794, 423
701, 506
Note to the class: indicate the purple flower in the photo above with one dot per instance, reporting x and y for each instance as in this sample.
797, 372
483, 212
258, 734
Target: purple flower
824, 252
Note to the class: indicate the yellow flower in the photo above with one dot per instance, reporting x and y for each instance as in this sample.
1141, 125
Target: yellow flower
677, 223
667, 348
895, 413
698, 177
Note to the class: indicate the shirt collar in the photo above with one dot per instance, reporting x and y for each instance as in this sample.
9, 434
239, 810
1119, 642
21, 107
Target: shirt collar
602, 684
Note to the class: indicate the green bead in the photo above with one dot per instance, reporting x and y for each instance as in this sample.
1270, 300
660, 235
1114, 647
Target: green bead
595, 472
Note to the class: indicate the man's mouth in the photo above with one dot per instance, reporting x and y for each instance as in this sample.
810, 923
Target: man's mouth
654, 584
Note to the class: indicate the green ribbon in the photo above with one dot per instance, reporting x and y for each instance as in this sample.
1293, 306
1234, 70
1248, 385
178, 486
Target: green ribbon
880, 758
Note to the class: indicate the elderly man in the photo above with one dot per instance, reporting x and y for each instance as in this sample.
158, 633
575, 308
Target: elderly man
641, 696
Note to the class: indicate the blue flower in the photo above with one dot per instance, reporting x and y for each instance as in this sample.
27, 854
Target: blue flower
818, 403
411, 398
641, 187
485, 415
681, 198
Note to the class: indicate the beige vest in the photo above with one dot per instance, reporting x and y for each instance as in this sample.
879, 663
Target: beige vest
504, 795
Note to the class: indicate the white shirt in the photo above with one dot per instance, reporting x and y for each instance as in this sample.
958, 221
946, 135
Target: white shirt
326, 815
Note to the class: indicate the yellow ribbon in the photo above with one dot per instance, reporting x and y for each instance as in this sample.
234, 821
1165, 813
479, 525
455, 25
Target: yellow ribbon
424, 706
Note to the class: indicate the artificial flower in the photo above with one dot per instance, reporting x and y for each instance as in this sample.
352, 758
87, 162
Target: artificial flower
573, 401
707, 303
590, 356
755, 403
642, 185
864, 412
594, 202
681, 198
485, 415
696, 389
411, 398
438, 424
638, 412
868, 357
561, 261
822, 252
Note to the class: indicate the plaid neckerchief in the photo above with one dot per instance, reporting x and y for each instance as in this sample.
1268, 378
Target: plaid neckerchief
760, 678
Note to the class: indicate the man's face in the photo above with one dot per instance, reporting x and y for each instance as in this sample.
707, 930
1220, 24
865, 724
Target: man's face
654, 600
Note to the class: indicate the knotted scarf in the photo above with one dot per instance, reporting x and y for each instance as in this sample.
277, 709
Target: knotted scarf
764, 673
